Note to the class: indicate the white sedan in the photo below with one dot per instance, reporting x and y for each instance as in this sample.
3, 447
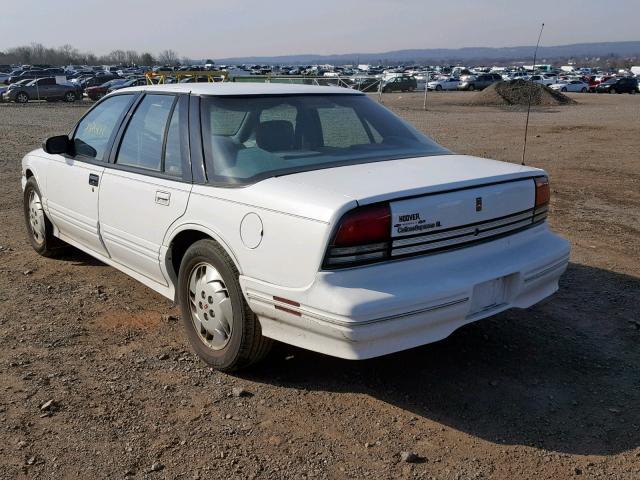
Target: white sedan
543, 80
308, 215
571, 86
448, 83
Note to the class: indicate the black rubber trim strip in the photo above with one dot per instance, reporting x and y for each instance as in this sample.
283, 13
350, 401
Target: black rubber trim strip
444, 230
453, 237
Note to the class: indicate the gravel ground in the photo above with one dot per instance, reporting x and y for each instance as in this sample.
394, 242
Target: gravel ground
97, 380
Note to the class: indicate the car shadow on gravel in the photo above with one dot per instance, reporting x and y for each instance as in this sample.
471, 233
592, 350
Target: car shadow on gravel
78, 257
561, 376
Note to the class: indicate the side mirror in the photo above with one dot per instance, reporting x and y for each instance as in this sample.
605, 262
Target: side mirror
58, 144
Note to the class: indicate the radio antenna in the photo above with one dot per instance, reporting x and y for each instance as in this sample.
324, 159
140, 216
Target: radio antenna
526, 127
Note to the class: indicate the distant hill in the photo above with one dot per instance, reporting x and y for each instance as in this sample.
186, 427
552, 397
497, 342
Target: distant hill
450, 55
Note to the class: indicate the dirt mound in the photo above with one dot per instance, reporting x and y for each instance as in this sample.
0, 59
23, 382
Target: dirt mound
516, 92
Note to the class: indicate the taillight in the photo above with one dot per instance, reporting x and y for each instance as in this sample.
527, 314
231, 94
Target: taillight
362, 236
543, 192
543, 195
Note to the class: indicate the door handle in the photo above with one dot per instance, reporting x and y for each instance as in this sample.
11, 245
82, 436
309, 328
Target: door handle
163, 198
94, 179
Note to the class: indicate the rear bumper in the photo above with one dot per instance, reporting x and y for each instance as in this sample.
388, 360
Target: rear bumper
379, 309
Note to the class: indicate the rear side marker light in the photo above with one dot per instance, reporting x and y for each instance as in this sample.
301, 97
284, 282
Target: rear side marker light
288, 302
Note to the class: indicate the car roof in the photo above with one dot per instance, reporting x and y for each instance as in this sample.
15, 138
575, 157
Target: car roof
243, 88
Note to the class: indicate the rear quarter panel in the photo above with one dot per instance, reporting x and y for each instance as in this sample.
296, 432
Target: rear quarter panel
292, 246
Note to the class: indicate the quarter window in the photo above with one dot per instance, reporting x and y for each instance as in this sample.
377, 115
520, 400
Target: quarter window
173, 148
141, 145
95, 130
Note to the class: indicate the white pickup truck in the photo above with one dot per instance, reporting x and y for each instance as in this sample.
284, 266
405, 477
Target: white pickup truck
309, 215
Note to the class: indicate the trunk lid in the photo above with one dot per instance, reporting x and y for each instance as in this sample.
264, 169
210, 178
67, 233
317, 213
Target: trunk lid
380, 181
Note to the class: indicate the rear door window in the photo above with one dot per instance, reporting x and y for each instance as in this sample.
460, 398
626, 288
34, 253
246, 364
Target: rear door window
141, 145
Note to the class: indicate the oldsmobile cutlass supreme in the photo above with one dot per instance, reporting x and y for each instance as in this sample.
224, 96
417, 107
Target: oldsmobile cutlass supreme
309, 215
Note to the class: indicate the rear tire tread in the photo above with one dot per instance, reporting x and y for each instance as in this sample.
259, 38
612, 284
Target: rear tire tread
253, 345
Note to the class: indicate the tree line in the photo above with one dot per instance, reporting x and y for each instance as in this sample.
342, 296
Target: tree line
38, 54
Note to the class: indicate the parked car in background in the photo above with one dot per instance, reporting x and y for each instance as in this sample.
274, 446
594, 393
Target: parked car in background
479, 82
619, 85
595, 80
28, 74
543, 79
402, 83
353, 235
96, 80
364, 84
19, 83
98, 91
43, 89
447, 83
571, 86
197, 79
133, 82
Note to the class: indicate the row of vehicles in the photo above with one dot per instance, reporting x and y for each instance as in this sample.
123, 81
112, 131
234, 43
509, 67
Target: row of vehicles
56, 89
73, 82
608, 84
67, 84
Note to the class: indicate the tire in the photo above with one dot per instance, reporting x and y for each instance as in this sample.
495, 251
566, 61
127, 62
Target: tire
234, 339
563, 90
70, 97
438, 88
584, 90
22, 97
612, 90
471, 88
39, 228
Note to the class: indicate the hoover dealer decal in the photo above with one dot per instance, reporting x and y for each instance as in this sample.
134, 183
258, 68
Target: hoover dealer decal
413, 223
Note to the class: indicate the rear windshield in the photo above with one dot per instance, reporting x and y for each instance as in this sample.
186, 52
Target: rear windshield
248, 138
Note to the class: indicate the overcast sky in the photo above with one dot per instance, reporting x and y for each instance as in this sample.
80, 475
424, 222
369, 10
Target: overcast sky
233, 28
